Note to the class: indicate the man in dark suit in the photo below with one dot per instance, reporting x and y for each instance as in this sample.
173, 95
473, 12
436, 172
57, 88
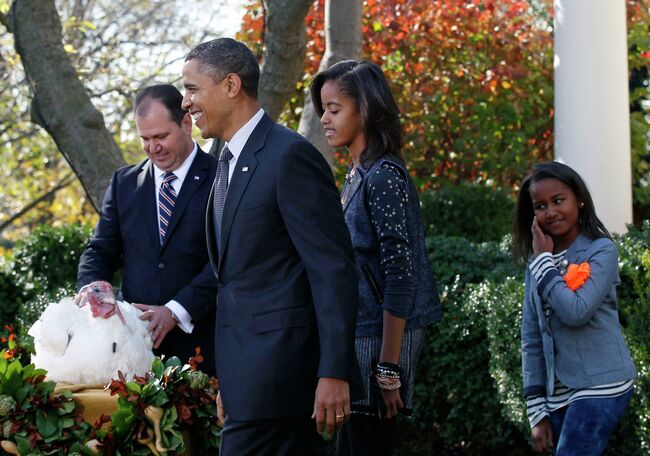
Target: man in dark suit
288, 298
152, 226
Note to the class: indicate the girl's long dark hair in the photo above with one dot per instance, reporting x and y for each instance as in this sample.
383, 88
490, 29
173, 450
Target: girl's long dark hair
365, 83
590, 224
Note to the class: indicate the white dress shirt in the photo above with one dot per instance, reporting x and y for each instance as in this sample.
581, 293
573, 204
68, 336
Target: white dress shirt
181, 315
239, 139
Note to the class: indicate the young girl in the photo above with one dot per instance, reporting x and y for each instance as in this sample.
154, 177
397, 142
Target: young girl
577, 370
398, 297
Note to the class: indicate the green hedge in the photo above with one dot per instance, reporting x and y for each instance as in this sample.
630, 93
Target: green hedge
472, 210
43, 268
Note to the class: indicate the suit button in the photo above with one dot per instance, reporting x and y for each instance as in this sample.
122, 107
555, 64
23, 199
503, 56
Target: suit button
161, 265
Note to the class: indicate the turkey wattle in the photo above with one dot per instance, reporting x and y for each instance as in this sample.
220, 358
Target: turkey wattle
89, 339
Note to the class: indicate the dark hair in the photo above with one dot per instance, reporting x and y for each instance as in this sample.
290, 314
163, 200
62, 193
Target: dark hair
167, 94
590, 224
223, 56
366, 84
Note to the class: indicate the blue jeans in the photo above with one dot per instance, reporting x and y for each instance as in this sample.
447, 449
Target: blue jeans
583, 427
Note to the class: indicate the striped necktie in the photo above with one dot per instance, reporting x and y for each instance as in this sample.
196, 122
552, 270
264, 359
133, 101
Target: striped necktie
220, 190
166, 200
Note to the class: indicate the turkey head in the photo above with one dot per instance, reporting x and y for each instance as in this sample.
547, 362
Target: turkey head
101, 298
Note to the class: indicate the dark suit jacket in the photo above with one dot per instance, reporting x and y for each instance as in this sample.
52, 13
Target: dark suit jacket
127, 237
288, 294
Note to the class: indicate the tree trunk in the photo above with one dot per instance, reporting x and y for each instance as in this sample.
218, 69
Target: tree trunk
285, 39
60, 103
342, 42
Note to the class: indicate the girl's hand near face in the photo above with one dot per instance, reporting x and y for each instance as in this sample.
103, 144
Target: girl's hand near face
542, 242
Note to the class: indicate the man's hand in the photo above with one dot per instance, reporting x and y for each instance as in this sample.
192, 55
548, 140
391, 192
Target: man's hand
542, 436
161, 321
332, 404
221, 412
393, 402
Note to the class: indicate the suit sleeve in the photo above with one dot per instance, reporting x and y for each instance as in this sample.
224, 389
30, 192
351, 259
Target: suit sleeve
575, 308
103, 256
311, 210
199, 296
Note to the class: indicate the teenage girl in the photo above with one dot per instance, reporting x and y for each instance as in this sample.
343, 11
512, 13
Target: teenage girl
577, 371
398, 297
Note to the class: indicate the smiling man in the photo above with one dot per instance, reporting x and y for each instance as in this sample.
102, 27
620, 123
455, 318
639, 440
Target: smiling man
152, 227
288, 294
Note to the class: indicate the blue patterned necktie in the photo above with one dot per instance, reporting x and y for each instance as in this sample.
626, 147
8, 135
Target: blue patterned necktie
166, 200
220, 190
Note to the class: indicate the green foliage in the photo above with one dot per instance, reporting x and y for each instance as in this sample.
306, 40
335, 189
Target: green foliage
172, 396
634, 304
48, 258
455, 395
472, 210
638, 42
455, 258
43, 269
170, 399
503, 315
38, 420
10, 295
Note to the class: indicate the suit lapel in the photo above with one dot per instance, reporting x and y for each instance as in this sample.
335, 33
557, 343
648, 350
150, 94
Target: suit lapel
145, 196
244, 169
196, 176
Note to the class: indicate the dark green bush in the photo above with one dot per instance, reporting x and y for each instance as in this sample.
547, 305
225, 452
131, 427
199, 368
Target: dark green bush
457, 404
456, 400
48, 258
472, 262
44, 266
474, 211
634, 303
10, 293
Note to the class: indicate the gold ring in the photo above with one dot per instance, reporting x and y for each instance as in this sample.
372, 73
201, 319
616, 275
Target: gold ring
342, 415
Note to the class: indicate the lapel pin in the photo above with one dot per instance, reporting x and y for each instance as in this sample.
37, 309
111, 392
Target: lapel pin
196, 178
244, 169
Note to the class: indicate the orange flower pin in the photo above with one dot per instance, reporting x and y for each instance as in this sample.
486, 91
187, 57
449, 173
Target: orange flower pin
576, 275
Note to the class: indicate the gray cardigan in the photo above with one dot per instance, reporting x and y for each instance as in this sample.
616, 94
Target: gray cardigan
415, 298
581, 343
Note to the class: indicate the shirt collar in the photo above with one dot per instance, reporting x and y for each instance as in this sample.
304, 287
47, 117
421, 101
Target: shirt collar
182, 170
239, 139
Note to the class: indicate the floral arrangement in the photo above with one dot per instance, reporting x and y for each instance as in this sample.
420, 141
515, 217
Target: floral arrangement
34, 420
576, 275
156, 413
154, 410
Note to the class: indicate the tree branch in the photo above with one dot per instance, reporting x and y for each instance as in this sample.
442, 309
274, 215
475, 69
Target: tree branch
67, 180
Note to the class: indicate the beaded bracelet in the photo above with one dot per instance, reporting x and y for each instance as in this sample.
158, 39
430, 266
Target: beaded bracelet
389, 384
388, 370
388, 376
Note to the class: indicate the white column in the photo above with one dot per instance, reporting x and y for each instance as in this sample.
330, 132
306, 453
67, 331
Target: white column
592, 113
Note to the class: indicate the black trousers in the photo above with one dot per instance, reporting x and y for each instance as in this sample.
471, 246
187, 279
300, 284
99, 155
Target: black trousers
366, 435
295, 436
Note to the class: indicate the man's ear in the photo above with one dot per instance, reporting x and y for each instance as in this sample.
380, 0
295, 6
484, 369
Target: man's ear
233, 85
186, 123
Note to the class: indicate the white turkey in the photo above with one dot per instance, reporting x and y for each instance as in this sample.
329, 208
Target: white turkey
88, 339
